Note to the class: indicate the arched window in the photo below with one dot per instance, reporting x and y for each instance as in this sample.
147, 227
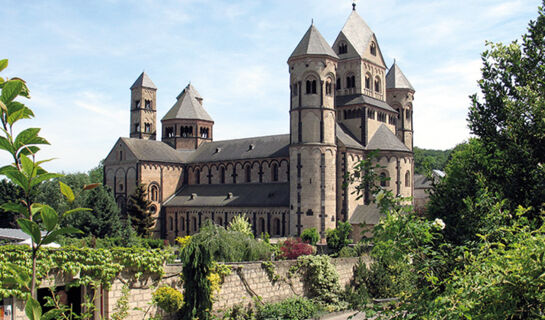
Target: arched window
328, 87
276, 227
248, 173
261, 225
338, 87
171, 222
204, 133
384, 180
368, 82
408, 179
343, 48
220, 221
182, 225
295, 93
311, 86
274, 172
197, 176
154, 193
350, 81
407, 114
373, 49
194, 220
222, 175
377, 84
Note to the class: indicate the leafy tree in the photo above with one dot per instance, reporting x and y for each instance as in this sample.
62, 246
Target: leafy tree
240, 223
339, 237
311, 236
9, 192
138, 211
426, 160
197, 261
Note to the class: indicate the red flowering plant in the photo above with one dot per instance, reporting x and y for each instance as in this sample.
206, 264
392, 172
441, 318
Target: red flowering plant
295, 247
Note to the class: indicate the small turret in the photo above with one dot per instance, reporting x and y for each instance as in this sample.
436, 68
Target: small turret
400, 95
143, 108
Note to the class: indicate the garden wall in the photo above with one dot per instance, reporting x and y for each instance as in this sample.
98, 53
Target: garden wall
247, 280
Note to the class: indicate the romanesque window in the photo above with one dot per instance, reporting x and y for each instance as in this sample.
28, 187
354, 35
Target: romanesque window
338, 86
351, 82
197, 176
169, 132
182, 225
171, 222
120, 154
194, 220
222, 175
377, 84
368, 81
276, 227
147, 127
248, 174
136, 104
407, 114
274, 172
328, 87
373, 49
121, 187
384, 180
311, 87
261, 225
343, 48
220, 221
154, 193
371, 114
295, 93
204, 133
408, 179
392, 120
186, 131
137, 127
381, 116
147, 104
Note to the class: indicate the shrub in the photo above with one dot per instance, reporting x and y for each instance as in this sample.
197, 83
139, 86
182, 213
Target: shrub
168, 299
293, 308
339, 237
241, 224
347, 252
293, 248
311, 236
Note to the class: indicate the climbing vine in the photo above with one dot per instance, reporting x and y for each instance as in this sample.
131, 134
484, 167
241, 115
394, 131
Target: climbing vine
270, 270
91, 266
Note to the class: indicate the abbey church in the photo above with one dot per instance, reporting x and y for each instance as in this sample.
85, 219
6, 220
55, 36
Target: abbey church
344, 103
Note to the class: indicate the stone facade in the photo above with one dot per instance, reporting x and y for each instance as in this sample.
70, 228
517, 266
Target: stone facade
344, 105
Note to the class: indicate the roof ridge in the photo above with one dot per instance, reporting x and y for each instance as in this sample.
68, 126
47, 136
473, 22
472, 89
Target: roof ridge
313, 43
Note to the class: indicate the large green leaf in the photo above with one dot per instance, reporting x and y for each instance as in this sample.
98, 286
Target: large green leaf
53, 236
31, 228
28, 150
33, 310
3, 105
6, 145
3, 64
43, 177
28, 166
52, 314
50, 218
10, 90
17, 177
17, 275
67, 192
29, 136
76, 210
14, 207
22, 113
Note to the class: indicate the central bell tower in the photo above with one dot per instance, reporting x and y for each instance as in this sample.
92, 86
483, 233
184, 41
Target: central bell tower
312, 67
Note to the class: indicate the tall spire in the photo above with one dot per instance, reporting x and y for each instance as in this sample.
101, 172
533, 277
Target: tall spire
143, 81
395, 79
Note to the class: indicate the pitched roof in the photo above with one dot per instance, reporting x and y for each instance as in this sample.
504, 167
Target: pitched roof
188, 106
313, 43
395, 79
143, 81
242, 195
357, 32
247, 148
344, 136
366, 214
151, 150
352, 99
15, 234
385, 139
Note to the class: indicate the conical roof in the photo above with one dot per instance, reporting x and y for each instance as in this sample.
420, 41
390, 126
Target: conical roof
143, 81
395, 79
188, 106
357, 32
313, 43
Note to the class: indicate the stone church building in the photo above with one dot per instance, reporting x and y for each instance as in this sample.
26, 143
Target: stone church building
344, 103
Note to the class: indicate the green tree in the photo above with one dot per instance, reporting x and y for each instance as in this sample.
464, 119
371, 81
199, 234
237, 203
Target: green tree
197, 260
310, 235
339, 237
426, 160
138, 211
9, 192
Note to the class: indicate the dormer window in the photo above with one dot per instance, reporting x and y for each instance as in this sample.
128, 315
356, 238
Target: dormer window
343, 48
373, 49
311, 87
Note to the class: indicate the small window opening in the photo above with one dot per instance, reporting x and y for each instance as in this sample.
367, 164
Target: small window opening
248, 174
275, 172
373, 49
343, 48
204, 133
328, 89
367, 82
377, 85
136, 104
338, 87
147, 104
197, 176
222, 175
147, 127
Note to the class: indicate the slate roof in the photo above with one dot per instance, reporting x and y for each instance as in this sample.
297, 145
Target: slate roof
188, 106
243, 195
247, 148
344, 136
352, 99
423, 182
384, 139
143, 81
357, 32
151, 150
313, 43
366, 214
15, 234
395, 79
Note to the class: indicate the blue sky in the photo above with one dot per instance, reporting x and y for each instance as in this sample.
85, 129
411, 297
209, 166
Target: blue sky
80, 58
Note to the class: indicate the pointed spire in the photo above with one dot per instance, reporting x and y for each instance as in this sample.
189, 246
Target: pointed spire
357, 32
313, 43
188, 106
143, 81
354, 6
395, 79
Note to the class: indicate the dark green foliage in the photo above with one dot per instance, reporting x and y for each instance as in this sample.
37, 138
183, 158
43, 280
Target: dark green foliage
138, 212
426, 160
231, 246
197, 260
9, 192
347, 252
293, 308
339, 237
113, 242
310, 236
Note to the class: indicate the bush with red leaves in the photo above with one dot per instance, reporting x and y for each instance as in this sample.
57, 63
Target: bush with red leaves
293, 248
